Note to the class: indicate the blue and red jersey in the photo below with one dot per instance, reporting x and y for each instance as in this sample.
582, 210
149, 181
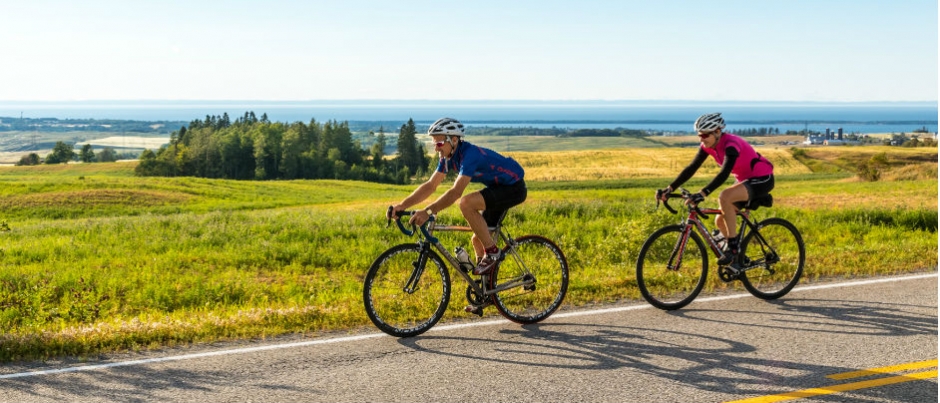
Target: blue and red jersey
482, 165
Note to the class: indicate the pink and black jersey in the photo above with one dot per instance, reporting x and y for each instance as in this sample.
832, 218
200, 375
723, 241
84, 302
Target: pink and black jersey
749, 164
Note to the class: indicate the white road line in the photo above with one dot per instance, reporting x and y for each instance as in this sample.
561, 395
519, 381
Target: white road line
438, 328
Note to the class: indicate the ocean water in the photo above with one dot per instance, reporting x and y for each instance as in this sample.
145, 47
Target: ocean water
866, 117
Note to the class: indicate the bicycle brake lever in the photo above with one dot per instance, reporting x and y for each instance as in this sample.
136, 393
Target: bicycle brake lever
668, 207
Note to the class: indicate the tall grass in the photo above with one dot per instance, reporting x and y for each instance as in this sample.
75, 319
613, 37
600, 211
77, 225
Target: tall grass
105, 261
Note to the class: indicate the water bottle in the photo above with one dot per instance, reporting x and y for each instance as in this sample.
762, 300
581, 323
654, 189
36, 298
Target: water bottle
463, 259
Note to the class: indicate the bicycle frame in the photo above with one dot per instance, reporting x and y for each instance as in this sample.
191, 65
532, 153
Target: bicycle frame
427, 240
695, 218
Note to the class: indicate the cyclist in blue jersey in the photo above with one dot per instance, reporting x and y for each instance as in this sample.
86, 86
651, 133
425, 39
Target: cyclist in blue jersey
502, 176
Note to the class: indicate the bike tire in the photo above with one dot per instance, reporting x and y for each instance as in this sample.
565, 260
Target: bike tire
666, 288
545, 261
394, 310
774, 280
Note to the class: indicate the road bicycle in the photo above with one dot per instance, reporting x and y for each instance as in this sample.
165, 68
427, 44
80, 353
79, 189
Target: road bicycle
407, 289
670, 273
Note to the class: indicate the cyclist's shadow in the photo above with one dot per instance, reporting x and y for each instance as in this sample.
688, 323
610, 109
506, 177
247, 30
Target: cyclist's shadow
702, 360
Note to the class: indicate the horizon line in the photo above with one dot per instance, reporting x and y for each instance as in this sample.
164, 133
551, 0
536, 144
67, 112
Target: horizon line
343, 100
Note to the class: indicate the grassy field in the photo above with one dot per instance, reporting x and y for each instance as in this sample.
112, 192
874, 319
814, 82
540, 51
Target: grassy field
99, 260
622, 163
548, 143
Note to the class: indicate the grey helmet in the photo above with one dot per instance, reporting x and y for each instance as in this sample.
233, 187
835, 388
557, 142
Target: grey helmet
709, 122
446, 127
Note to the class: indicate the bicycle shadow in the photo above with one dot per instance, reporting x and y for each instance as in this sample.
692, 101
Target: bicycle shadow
131, 384
704, 361
850, 317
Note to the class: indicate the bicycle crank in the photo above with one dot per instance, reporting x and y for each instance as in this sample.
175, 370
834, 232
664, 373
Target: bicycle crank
472, 297
728, 273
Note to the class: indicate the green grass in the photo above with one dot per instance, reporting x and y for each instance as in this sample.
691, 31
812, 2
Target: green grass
99, 260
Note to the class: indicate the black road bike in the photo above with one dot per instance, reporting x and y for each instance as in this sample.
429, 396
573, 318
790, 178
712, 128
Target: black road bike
673, 263
407, 289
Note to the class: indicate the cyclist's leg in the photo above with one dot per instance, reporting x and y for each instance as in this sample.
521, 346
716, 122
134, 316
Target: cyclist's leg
726, 199
470, 206
495, 201
756, 188
720, 223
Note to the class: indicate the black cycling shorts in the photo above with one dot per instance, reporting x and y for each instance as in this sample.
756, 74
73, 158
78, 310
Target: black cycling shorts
498, 199
759, 186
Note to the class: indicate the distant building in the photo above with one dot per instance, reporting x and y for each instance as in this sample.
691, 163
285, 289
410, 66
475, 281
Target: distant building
813, 140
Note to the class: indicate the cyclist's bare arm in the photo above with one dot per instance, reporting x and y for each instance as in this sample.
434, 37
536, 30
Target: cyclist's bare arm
446, 199
451, 195
422, 192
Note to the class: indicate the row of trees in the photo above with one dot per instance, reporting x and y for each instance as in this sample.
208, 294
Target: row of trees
63, 152
757, 131
256, 148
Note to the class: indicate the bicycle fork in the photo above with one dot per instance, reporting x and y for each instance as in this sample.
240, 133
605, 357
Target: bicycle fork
675, 258
418, 269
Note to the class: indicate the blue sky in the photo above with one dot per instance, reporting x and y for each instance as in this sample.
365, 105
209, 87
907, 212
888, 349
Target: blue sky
533, 50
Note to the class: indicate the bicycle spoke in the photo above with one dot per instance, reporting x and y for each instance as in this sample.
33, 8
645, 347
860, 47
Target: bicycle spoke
537, 258
401, 297
776, 255
669, 273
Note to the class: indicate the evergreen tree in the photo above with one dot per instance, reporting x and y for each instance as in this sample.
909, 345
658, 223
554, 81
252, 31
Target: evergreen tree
408, 147
61, 153
86, 155
378, 151
106, 154
30, 159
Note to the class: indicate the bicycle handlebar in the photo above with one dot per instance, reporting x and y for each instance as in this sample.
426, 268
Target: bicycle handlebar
685, 194
401, 227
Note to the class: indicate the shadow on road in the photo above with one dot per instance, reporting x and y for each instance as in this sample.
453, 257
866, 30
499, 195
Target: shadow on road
705, 361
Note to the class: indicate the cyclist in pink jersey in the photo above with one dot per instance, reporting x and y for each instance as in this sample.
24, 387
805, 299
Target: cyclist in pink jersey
753, 174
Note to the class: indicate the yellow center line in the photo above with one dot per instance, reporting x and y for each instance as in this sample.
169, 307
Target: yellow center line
883, 370
839, 388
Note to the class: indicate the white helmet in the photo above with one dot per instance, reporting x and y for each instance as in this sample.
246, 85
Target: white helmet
447, 127
709, 122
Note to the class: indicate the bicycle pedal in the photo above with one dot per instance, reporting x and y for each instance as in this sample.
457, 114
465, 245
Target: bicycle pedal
474, 309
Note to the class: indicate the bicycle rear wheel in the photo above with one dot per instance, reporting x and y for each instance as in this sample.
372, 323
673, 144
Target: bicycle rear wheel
669, 273
401, 297
538, 263
779, 261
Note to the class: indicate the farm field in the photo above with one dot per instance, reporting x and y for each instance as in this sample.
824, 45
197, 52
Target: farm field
100, 260
622, 163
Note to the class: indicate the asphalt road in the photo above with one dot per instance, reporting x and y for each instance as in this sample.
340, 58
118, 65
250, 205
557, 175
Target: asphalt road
809, 345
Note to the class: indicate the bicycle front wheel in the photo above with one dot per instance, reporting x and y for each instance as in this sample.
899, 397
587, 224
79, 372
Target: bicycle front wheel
403, 296
774, 259
670, 273
540, 269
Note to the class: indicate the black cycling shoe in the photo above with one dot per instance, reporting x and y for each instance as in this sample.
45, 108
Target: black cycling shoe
730, 255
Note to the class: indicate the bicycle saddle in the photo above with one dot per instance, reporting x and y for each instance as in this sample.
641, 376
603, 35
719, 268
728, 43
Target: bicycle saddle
754, 204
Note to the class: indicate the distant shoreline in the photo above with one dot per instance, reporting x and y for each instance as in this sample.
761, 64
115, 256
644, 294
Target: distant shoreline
862, 117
